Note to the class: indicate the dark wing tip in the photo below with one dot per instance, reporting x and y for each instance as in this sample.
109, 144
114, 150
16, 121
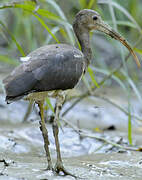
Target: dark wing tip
10, 99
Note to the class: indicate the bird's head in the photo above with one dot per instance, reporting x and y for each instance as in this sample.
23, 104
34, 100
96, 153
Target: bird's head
87, 20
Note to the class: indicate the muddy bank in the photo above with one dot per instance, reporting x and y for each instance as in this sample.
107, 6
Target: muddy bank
22, 155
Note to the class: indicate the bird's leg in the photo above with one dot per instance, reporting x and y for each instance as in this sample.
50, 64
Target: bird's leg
45, 135
28, 112
59, 164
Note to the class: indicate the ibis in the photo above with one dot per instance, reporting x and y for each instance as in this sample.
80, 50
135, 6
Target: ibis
51, 70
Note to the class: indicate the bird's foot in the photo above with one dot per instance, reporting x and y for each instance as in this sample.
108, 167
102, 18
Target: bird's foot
49, 168
59, 168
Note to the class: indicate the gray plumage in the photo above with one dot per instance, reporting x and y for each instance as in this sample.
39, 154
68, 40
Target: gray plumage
57, 67
51, 67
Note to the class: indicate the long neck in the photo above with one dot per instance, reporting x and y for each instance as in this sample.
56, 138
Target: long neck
84, 40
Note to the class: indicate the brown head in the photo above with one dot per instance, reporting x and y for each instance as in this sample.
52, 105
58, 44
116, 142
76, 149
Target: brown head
87, 20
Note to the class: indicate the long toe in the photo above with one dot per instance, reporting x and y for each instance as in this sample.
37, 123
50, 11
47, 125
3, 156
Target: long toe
59, 169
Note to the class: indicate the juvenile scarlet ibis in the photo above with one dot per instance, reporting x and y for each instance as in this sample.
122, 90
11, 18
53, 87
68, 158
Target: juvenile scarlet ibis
53, 69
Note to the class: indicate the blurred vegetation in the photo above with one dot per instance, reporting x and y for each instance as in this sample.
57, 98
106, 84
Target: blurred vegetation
27, 25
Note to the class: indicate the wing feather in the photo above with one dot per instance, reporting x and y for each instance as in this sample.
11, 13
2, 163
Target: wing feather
49, 68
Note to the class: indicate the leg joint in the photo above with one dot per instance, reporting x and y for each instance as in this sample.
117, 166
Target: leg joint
55, 128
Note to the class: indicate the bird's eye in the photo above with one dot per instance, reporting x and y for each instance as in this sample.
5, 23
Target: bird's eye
95, 18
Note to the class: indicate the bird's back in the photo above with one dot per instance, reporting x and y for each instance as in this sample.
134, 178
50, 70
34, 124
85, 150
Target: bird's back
50, 67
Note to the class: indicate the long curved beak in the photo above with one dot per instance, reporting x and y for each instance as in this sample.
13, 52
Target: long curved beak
105, 28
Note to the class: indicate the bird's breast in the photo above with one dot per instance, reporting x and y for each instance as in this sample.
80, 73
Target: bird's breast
40, 96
